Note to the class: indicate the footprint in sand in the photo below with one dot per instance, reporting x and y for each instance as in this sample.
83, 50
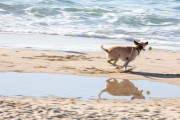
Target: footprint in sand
94, 70
4, 55
11, 66
50, 58
158, 59
59, 58
76, 57
7, 64
28, 57
65, 68
40, 67
17, 71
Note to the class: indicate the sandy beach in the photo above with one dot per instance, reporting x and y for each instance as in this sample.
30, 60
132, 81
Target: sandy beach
149, 66
53, 68
20, 108
155, 65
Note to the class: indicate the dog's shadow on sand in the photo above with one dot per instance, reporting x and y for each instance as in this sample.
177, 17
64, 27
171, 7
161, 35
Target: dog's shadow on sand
159, 75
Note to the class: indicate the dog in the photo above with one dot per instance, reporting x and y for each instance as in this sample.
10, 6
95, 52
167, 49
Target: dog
125, 53
123, 88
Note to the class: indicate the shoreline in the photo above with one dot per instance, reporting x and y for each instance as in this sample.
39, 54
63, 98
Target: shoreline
149, 66
69, 43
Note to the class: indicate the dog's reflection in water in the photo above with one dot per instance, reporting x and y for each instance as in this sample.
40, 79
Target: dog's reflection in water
123, 88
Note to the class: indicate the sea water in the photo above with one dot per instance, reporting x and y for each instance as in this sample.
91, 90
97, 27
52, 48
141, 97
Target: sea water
156, 21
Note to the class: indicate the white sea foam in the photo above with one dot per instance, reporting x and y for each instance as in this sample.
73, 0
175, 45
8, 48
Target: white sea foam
95, 19
1, 10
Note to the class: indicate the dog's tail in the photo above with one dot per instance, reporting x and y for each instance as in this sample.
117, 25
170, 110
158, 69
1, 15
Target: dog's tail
106, 50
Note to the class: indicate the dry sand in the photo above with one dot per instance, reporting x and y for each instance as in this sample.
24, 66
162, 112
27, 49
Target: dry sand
156, 65
15, 108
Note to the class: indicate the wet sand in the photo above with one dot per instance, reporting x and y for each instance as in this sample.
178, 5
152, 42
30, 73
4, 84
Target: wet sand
20, 108
155, 65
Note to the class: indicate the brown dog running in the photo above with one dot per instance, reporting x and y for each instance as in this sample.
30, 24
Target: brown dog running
125, 53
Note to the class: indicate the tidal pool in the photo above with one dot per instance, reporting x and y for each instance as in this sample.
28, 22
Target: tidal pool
82, 87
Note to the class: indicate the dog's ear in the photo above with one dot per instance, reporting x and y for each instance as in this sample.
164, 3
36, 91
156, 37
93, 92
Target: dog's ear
136, 43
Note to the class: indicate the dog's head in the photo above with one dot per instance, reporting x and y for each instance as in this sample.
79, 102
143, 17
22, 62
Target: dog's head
138, 95
141, 45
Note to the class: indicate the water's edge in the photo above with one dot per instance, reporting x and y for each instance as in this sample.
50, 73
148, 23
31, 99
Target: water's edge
65, 43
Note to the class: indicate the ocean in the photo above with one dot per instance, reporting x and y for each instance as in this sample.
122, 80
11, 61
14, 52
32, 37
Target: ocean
155, 21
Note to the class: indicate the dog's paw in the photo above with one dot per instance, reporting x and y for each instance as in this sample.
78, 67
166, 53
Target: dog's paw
118, 67
129, 70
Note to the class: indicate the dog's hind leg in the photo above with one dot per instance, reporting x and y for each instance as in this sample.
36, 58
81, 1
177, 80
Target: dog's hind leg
109, 61
113, 57
115, 61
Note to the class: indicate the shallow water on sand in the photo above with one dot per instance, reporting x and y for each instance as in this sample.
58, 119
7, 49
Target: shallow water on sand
72, 86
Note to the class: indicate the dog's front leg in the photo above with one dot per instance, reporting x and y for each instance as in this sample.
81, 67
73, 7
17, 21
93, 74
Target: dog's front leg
126, 64
129, 59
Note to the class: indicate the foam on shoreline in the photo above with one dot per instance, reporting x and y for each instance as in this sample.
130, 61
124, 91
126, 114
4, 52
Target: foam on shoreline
66, 43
